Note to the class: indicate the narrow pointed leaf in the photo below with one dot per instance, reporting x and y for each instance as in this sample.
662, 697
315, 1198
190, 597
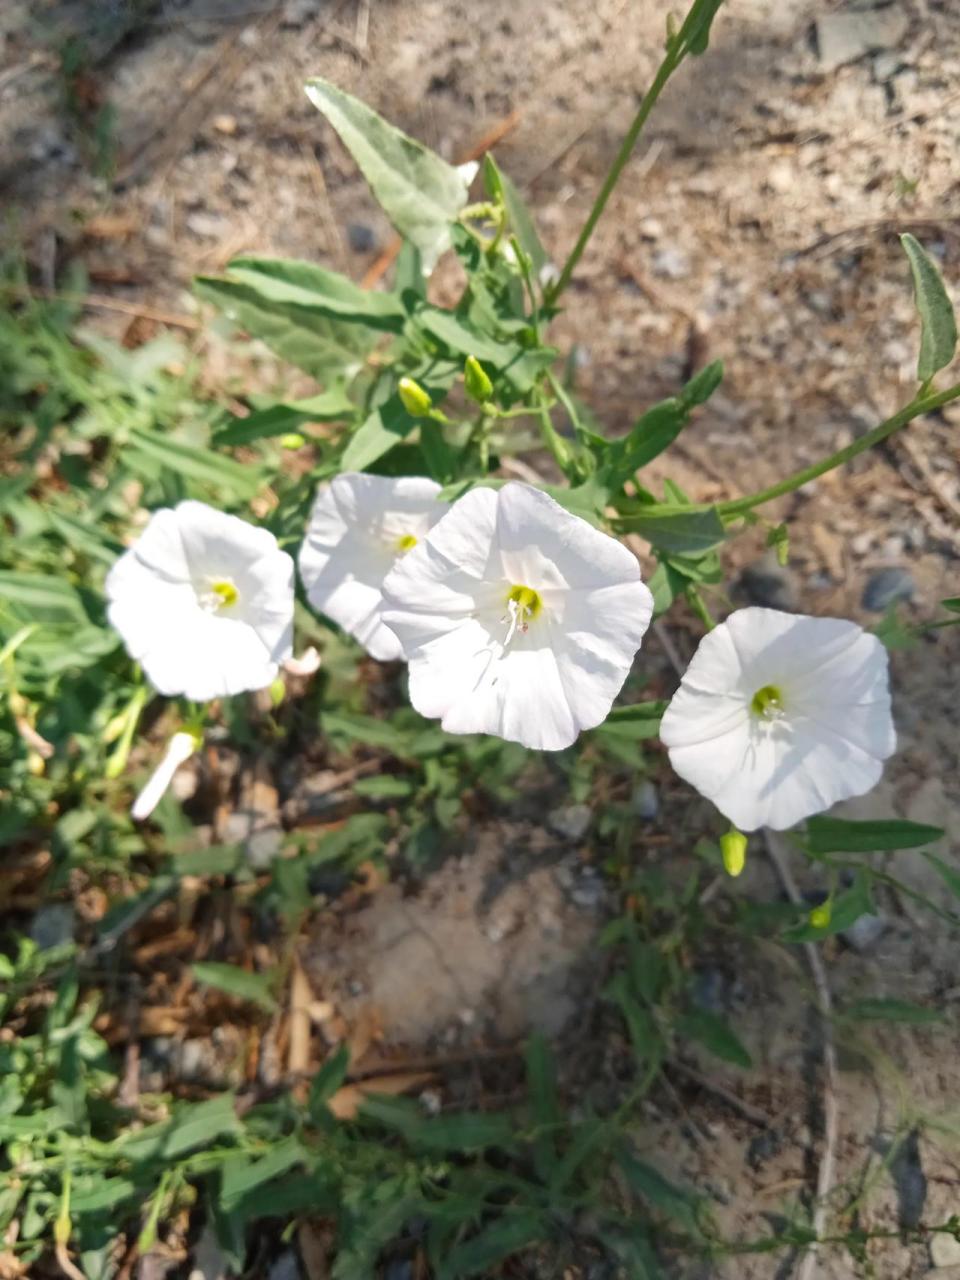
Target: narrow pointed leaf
421, 194
938, 324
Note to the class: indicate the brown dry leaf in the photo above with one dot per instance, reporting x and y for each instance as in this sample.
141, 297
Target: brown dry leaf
830, 547
110, 226
345, 1103
316, 1244
366, 1029
157, 1021
168, 944
301, 998
11, 1268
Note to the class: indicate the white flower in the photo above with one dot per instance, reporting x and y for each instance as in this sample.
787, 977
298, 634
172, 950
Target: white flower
517, 618
204, 601
779, 716
180, 748
360, 525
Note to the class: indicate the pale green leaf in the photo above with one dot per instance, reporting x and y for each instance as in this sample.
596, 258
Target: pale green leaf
938, 324
421, 194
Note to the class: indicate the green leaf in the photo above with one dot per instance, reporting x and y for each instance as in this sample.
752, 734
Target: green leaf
683, 533
98, 1194
386, 426
198, 1124
696, 29
658, 1192
938, 325
507, 1235
216, 860
308, 337
949, 876
420, 193
842, 835
883, 1010
289, 281
386, 787
194, 463
241, 1175
41, 598
255, 987
459, 1131
544, 1103
519, 215
636, 722
952, 603
328, 1080
715, 1034
263, 424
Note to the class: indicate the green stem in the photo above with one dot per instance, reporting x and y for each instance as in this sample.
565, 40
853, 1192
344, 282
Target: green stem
915, 409
674, 57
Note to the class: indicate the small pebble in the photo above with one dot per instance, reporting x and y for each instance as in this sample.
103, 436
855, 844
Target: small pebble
767, 583
864, 933
570, 821
887, 587
285, 1267
645, 800
52, 926
671, 263
361, 238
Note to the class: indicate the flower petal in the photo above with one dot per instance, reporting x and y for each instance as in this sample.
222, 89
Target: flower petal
351, 545
828, 740
544, 546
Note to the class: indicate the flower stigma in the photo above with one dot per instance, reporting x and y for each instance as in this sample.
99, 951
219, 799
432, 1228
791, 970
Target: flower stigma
767, 703
523, 605
222, 594
405, 542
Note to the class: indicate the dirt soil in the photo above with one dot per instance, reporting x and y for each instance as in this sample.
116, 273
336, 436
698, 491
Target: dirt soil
758, 223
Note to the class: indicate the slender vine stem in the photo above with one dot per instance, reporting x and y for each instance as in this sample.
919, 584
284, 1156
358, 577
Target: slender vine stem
915, 409
666, 69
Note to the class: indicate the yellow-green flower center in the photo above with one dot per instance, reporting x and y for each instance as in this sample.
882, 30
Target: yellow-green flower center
226, 592
528, 602
767, 702
405, 542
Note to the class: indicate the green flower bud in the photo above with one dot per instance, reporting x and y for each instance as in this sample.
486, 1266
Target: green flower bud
293, 440
277, 692
733, 847
415, 400
477, 384
821, 916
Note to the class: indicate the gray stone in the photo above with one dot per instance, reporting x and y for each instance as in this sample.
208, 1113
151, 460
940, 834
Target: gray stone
944, 1250
208, 1261
571, 821
284, 1267
645, 800
886, 66
887, 587
672, 263
844, 36
361, 238
864, 933
590, 892
264, 845
52, 926
767, 583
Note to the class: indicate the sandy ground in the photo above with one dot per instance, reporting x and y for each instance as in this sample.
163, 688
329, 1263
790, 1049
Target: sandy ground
758, 223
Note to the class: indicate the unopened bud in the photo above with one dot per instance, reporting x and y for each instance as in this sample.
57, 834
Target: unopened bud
35, 764
733, 848
478, 385
277, 691
415, 400
293, 440
821, 916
